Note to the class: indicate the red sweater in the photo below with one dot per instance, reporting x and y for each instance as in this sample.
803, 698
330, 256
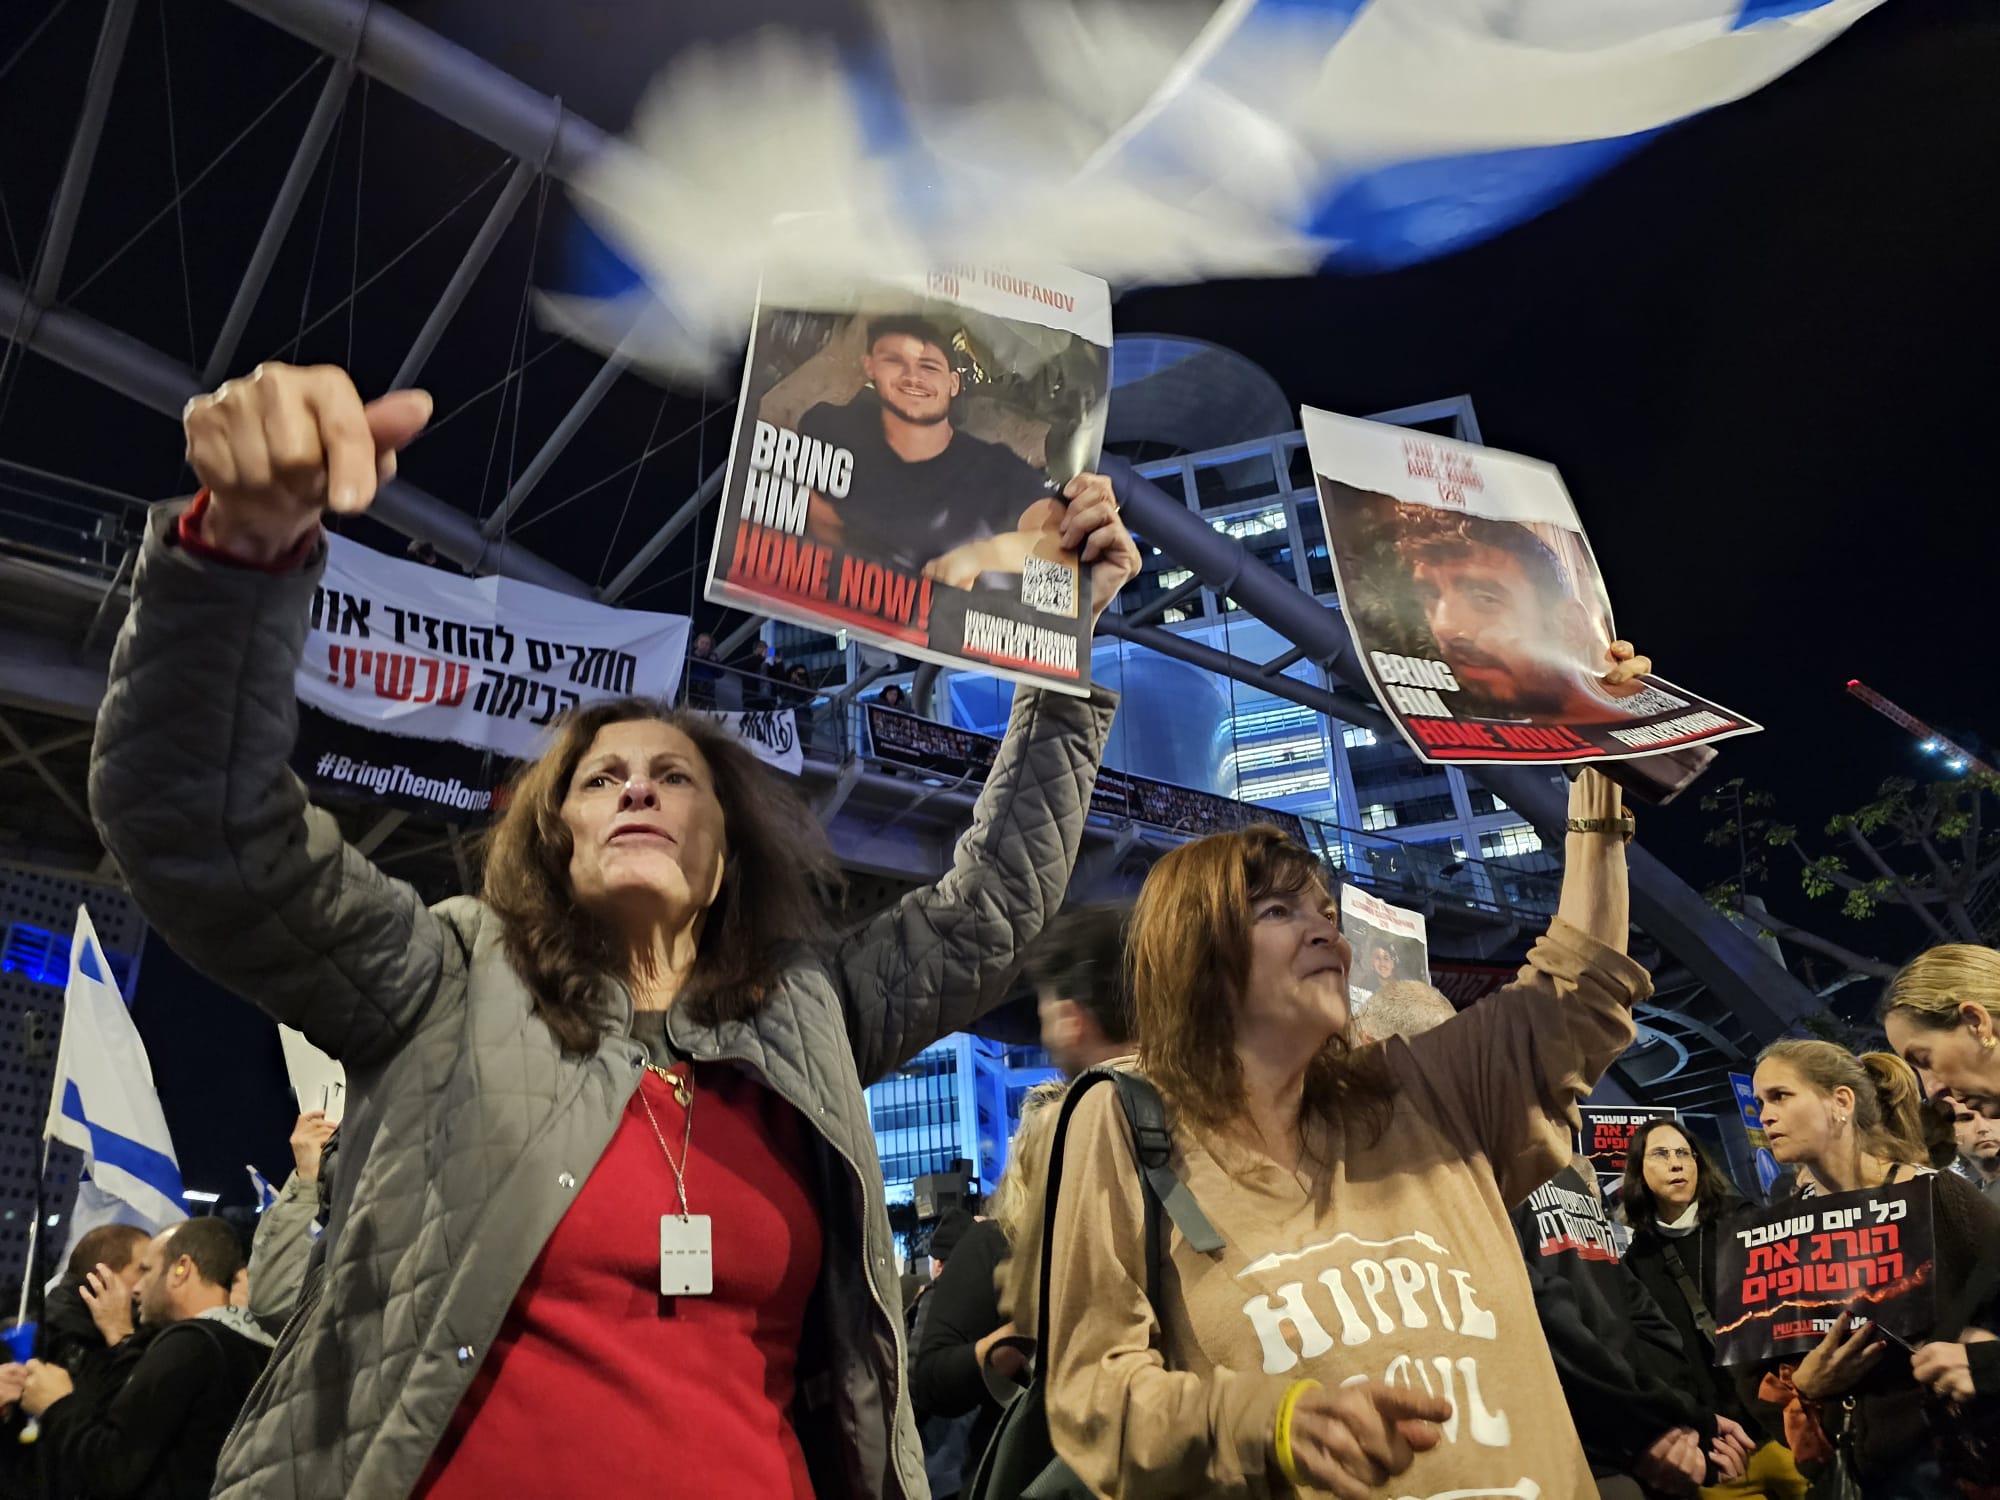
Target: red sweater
597, 1386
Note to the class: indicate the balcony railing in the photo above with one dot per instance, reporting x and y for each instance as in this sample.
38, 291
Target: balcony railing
834, 729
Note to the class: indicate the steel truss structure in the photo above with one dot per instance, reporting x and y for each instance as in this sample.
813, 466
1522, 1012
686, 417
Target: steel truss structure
545, 139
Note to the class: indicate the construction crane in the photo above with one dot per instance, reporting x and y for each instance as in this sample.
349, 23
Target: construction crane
1957, 758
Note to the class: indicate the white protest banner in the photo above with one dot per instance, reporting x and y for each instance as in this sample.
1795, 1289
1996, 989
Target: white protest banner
484, 662
773, 737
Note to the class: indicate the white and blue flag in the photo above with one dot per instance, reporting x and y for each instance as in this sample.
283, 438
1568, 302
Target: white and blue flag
1142, 142
261, 1186
104, 1103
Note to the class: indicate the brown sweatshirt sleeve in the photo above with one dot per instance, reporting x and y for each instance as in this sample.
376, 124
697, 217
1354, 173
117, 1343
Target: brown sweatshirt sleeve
1503, 1078
1131, 1428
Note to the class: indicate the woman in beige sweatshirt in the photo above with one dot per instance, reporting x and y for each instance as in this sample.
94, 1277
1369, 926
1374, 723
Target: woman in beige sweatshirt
1369, 1316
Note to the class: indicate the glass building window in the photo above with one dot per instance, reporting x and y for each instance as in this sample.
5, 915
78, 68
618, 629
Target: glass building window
1355, 738
1299, 469
1231, 481
1158, 574
1265, 537
1312, 538
1378, 815
1516, 838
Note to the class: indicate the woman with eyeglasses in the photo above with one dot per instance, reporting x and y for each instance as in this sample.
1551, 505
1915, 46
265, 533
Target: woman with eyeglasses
1675, 1197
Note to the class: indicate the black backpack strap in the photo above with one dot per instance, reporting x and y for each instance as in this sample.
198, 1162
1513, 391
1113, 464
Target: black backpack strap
1697, 1304
1146, 1114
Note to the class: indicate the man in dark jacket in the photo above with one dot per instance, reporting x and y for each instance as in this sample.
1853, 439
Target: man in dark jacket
946, 1431
71, 1335
957, 1334
158, 1436
1645, 1429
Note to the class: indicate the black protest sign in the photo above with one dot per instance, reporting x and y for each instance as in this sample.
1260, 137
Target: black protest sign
1783, 1274
1607, 1134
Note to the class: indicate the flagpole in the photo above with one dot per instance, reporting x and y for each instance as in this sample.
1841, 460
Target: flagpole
35, 1230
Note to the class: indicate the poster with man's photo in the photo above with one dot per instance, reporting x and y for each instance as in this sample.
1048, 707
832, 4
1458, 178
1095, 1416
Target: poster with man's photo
899, 461
1478, 608
1388, 943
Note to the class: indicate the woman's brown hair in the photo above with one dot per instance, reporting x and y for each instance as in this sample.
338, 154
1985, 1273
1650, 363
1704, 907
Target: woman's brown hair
1189, 952
1714, 1193
778, 875
1885, 1088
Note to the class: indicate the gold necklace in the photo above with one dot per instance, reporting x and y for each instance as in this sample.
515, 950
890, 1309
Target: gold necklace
684, 1097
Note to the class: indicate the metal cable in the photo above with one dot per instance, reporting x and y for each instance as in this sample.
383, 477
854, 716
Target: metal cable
389, 265
638, 471
319, 237
516, 366
174, 168
354, 249
195, 181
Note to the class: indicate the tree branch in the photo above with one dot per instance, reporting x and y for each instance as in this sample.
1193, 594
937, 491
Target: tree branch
1754, 908
1874, 856
1838, 878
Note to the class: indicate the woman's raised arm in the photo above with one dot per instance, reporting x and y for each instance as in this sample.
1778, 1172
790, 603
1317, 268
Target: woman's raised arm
189, 780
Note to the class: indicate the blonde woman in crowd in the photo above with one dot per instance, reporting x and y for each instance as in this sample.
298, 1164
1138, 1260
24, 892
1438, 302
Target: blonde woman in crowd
1942, 1013
1855, 1407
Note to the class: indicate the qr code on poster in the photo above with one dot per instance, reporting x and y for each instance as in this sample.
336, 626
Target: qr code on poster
1049, 586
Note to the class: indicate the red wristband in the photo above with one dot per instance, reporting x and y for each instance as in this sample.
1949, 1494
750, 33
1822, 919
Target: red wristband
188, 537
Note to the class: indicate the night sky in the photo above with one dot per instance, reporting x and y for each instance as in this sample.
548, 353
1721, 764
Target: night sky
1762, 352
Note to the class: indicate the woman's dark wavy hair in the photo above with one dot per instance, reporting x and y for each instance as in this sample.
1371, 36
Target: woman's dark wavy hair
1715, 1193
779, 875
1188, 949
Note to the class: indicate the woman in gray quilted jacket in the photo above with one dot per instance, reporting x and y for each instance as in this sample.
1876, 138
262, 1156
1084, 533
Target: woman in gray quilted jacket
609, 1219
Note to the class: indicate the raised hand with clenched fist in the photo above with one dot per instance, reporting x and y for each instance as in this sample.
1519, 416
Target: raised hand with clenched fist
282, 444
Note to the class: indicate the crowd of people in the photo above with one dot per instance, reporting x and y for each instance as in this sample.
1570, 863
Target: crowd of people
604, 1215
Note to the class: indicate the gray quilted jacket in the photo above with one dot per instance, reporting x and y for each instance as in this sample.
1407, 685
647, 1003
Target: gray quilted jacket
467, 1131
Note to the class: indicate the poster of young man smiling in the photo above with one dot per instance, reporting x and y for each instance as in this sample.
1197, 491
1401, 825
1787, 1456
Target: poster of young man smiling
1478, 608
900, 459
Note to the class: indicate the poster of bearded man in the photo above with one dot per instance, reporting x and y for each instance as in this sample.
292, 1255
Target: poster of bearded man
1478, 608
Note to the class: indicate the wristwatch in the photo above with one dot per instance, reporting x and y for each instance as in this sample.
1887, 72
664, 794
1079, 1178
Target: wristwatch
1624, 825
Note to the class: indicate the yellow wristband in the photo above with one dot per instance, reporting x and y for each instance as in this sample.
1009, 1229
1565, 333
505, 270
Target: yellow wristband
1281, 1438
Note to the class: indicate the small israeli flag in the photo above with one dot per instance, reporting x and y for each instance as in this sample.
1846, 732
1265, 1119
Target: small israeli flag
261, 1185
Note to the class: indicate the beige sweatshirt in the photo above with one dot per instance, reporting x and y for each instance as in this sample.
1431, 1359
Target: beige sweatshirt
1401, 1266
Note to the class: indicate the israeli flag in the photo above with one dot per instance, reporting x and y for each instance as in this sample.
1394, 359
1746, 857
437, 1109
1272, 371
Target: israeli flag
1144, 143
261, 1186
103, 1102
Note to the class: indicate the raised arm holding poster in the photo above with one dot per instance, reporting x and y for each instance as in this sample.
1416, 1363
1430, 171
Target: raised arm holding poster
1388, 943
899, 465
1477, 606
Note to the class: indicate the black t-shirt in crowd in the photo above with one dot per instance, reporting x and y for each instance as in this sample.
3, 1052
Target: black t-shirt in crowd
907, 513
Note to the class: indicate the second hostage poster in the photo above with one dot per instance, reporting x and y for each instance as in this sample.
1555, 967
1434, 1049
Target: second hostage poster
899, 459
1477, 606
1388, 943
